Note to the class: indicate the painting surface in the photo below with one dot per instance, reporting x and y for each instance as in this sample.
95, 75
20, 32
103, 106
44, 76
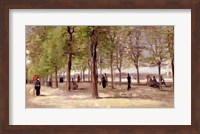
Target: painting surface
99, 67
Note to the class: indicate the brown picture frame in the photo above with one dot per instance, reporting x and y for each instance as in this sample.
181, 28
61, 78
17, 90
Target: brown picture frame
194, 5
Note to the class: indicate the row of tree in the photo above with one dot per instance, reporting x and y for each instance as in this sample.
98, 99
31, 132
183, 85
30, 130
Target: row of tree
51, 48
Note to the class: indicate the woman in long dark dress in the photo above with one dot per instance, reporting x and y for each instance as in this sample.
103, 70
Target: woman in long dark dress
37, 87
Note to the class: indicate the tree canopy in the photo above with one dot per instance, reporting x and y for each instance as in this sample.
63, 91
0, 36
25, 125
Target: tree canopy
52, 48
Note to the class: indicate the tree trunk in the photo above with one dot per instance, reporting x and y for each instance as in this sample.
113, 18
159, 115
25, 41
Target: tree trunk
46, 82
100, 65
119, 66
56, 77
91, 72
93, 47
111, 69
69, 62
100, 70
137, 57
88, 75
120, 77
70, 31
27, 75
138, 74
94, 70
88, 70
51, 77
96, 74
83, 75
120, 73
172, 64
159, 75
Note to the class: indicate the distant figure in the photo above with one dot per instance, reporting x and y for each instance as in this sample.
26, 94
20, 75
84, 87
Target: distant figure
49, 82
150, 82
61, 79
37, 86
103, 81
78, 78
129, 82
74, 84
106, 79
148, 77
154, 82
162, 80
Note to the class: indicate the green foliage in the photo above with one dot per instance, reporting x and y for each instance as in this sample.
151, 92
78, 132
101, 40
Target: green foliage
47, 46
157, 46
81, 48
46, 51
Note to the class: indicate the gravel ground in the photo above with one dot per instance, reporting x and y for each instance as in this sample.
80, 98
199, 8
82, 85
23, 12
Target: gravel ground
140, 96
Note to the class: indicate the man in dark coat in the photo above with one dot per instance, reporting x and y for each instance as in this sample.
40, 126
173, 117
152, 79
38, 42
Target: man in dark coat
103, 82
37, 87
129, 82
61, 79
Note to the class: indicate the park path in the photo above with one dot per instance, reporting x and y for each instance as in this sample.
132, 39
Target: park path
138, 97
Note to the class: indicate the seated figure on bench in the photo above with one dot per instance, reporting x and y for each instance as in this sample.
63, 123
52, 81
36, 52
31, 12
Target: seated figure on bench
74, 84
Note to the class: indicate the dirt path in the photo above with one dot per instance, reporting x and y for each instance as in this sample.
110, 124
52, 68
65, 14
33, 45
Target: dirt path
137, 97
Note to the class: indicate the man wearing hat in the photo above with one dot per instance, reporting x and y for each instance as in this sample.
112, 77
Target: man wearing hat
37, 86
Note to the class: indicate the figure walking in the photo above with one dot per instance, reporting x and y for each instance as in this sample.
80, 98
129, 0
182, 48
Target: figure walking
78, 78
37, 86
129, 82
